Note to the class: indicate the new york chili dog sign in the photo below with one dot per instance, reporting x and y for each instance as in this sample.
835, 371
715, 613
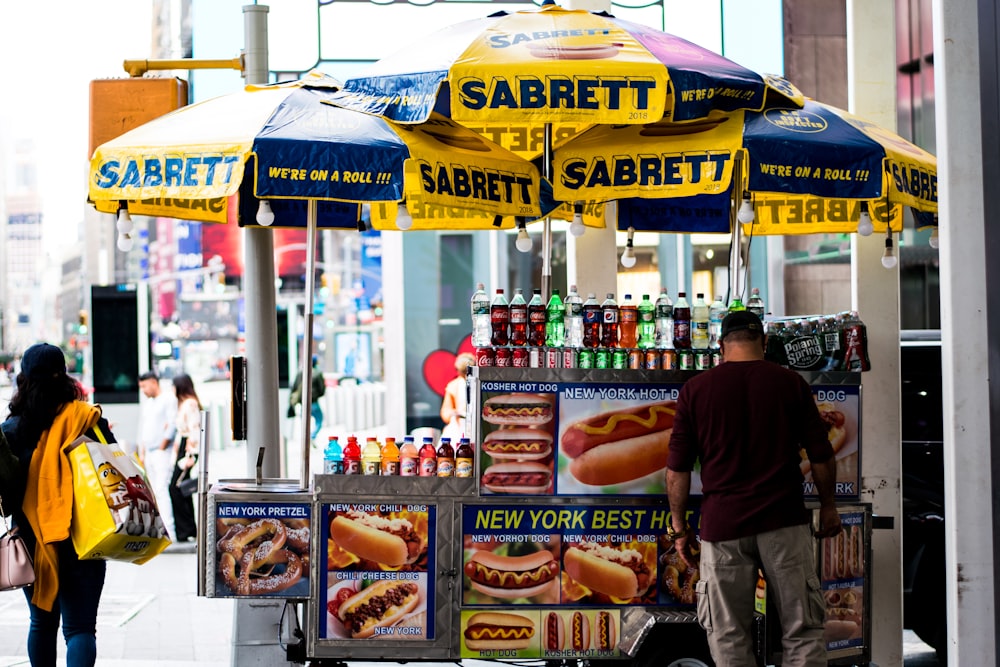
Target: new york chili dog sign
378, 559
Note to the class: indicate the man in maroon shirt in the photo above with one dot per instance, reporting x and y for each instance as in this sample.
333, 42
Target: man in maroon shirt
746, 421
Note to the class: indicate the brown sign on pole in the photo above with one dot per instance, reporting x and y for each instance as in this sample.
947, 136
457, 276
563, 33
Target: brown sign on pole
119, 105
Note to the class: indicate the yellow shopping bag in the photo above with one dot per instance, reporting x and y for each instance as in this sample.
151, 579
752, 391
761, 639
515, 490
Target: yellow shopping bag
115, 516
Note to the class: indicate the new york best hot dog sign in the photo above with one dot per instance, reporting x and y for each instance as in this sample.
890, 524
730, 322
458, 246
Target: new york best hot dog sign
579, 565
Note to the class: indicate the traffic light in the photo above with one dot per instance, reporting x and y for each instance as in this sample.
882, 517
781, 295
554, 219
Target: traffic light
82, 328
324, 286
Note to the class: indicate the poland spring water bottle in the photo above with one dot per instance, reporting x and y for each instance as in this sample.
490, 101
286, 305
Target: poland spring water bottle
481, 330
574, 318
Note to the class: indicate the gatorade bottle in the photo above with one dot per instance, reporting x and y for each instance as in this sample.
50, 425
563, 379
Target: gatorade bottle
518, 319
555, 313
647, 323
464, 458
628, 316
591, 322
428, 458
409, 459
333, 458
371, 457
499, 319
699, 323
352, 457
390, 457
609, 321
682, 323
445, 459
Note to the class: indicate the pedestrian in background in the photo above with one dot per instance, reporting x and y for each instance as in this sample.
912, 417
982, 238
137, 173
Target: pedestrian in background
47, 412
317, 388
157, 416
187, 441
453, 403
746, 421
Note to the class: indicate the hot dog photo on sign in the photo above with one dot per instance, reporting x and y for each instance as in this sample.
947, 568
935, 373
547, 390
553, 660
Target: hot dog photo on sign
609, 572
839, 407
507, 572
614, 440
517, 443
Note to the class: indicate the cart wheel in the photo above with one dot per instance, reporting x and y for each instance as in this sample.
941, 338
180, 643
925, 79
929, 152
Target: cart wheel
688, 662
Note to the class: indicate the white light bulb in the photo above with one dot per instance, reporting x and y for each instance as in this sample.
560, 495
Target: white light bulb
865, 226
523, 242
125, 242
628, 257
888, 258
577, 228
934, 241
124, 223
745, 215
265, 216
404, 220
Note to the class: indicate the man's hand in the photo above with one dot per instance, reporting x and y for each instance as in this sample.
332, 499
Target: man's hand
684, 544
829, 521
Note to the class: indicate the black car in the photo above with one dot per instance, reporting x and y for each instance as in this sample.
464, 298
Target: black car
923, 488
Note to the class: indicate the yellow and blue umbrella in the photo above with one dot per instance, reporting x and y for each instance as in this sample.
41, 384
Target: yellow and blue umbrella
555, 65
288, 142
808, 170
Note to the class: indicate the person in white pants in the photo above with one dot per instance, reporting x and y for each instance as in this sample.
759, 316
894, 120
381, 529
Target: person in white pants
156, 438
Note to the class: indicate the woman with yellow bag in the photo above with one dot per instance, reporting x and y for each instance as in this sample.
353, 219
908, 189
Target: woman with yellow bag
48, 411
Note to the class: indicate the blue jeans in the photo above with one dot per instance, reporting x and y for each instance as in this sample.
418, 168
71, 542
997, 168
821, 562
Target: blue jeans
80, 586
317, 419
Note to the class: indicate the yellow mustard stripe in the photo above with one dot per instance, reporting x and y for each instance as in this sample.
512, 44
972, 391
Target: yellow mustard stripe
618, 418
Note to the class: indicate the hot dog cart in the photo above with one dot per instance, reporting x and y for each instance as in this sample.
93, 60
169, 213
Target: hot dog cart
548, 552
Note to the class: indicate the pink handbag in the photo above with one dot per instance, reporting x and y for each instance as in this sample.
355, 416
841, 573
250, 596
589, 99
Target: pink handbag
16, 569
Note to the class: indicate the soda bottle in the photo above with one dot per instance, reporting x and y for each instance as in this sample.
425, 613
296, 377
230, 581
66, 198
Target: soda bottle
499, 320
716, 313
831, 332
591, 321
409, 458
628, 323
555, 314
647, 323
736, 304
536, 319
333, 458
371, 457
518, 319
574, 318
755, 304
445, 459
699, 323
464, 458
663, 313
390, 457
481, 322
682, 322
352, 457
609, 321
428, 458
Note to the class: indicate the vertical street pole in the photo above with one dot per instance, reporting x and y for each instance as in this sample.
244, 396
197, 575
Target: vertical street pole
258, 290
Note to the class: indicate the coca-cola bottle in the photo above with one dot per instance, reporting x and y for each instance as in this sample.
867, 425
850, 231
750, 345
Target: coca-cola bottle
682, 322
591, 321
499, 319
609, 321
537, 316
518, 319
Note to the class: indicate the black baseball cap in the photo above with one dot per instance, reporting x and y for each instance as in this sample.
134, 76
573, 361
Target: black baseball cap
741, 320
41, 360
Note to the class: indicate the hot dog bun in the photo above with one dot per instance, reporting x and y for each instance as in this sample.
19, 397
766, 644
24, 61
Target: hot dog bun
518, 444
373, 538
622, 460
555, 51
615, 426
498, 630
522, 477
554, 632
380, 605
605, 633
579, 632
620, 573
518, 409
512, 577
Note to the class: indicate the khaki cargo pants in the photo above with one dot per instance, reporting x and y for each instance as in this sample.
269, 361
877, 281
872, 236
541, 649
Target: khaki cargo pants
726, 596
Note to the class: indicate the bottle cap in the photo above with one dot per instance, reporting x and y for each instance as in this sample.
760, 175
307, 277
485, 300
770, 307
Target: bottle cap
480, 286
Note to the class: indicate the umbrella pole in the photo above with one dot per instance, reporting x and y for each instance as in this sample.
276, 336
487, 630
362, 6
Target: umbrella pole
734, 224
547, 223
312, 207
